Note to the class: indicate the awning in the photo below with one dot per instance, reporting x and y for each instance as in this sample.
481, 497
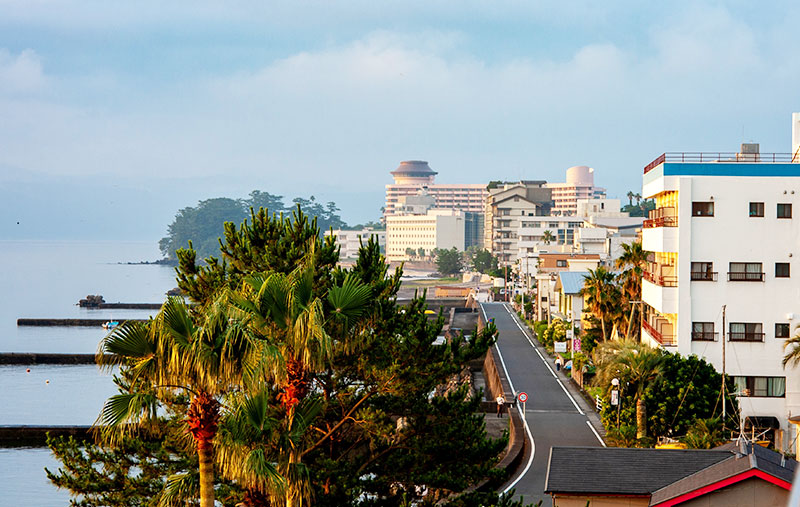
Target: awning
762, 422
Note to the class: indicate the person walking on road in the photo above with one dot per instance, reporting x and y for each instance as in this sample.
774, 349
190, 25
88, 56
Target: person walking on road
558, 363
500, 403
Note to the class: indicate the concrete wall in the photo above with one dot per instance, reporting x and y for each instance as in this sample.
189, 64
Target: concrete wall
751, 492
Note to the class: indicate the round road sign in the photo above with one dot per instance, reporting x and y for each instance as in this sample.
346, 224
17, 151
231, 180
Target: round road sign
523, 397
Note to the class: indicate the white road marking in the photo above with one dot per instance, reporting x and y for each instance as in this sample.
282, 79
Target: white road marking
595, 433
563, 388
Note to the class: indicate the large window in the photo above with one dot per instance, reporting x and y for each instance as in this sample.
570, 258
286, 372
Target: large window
703, 331
703, 271
781, 270
763, 387
745, 272
746, 332
756, 209
702, 209
784, 210
782, 330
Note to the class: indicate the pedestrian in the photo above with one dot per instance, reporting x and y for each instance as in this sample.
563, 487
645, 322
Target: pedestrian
500, 403
558, 363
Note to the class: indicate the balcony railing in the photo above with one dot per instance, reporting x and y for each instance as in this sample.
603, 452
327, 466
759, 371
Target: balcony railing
661, 280
758, 158
661, 338
662, 217
746, 337
707, 276
739, 276
704, 336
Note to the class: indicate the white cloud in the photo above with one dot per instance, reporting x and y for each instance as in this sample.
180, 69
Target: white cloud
22, 72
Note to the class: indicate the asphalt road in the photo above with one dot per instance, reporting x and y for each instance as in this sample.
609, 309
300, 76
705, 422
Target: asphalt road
553, 416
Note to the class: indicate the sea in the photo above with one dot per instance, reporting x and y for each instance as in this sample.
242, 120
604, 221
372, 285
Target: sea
45, 279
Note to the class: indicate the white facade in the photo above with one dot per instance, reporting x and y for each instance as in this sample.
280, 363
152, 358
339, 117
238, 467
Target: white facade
442, 229
350, 241
719, 242
579, 185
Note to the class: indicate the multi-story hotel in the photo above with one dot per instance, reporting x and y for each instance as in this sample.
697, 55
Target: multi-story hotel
350, 241
412, 176
506, 205
442, 229
723, 281
579, 185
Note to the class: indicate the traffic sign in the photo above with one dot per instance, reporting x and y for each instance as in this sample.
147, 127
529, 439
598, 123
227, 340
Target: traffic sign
523, 397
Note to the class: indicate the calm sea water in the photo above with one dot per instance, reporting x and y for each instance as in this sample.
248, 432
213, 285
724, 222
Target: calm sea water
46, 279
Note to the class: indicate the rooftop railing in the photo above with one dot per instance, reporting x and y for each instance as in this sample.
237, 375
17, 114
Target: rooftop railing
722, 157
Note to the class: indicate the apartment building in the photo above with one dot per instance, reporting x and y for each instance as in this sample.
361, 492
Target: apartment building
349, 241
412, 176
724, 279
442, 229
506, 205
579, 185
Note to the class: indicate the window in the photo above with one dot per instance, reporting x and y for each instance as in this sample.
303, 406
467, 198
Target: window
703, 331
782, 330
765, 387
702, 209
756, 209
781, 270
703, 271
561, 263
746, 332
745, 272
784, 210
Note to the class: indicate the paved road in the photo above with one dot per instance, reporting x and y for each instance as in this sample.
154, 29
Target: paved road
554, 417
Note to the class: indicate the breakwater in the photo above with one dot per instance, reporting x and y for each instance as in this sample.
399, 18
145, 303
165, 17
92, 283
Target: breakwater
68, 322
125, 306
36, 436
47, 358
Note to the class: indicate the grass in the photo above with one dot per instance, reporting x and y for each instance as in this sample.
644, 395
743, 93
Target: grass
430, 282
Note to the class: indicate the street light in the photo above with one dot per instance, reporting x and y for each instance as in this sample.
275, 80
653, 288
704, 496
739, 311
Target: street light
615, 397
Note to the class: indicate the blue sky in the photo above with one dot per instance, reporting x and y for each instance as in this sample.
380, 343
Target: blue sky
118, 114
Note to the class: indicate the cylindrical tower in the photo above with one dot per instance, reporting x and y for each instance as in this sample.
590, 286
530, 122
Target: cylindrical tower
413, 172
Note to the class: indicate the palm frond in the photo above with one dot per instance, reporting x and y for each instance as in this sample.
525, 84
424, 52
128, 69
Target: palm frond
179, 488
350, 300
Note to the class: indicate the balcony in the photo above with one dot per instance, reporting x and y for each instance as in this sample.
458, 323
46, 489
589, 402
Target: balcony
704, 336
664, 338
740, 276
660, 280
746, 337
704, 276
661, 217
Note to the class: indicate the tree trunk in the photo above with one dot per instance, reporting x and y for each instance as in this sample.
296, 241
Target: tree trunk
205, 451
603, 327
641, 417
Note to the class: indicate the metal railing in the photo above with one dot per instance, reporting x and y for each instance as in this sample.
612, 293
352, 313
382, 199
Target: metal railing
723, 157
704, 336
741, 276
746, 337
704, 276
666, 340
660, 280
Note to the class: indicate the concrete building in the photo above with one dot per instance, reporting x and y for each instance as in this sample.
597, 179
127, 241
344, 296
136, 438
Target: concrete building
579, 185
349, 241
442, 229
412, 176
506, 205
724, 235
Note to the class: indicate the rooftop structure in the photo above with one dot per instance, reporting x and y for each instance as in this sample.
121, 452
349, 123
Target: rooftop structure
579, 185
723, 237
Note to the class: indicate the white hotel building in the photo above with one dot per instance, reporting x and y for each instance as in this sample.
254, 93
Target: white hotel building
726, 234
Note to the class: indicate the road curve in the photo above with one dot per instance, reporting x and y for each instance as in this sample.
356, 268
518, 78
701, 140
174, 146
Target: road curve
553, 415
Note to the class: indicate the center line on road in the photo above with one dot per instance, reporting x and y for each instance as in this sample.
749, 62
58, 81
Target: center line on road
536, 349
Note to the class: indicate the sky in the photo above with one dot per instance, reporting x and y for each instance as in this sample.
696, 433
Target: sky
114, 115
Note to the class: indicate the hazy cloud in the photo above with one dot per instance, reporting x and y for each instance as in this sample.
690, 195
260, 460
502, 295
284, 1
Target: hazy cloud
20, 73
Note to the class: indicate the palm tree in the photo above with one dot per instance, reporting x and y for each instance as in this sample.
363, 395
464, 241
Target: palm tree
793, 355
630, 198
547, 237
201, 355
634, 363
634, 258
638, 198
602, 296
284, 311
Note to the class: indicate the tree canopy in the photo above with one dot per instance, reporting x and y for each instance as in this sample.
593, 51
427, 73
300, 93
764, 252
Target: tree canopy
203, 224
316, 387
449, 262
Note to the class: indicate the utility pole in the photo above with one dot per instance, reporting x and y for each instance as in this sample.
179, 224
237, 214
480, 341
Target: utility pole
505, 282
723, 366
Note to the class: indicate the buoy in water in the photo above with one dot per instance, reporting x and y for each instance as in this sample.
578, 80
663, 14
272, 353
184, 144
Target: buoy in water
47, 381
28, 370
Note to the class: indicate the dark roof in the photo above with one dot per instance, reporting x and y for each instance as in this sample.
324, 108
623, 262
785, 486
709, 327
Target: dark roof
742, 459
414, 168
623, 471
